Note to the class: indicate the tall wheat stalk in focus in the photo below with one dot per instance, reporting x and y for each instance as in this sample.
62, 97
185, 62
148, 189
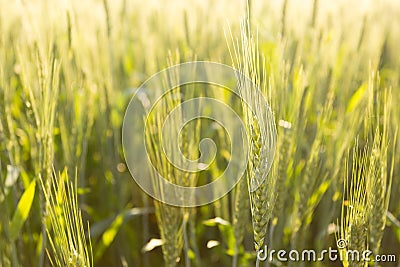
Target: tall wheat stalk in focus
354, 218
367, 191
260, 128
172, 221
64, 224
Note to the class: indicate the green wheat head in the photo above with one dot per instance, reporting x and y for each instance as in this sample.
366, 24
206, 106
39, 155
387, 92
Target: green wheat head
64, 225
247, 59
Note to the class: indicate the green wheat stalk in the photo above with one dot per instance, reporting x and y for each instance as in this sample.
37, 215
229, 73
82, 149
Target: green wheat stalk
251, 64
354, 216
379, 175
172, 221
64, 224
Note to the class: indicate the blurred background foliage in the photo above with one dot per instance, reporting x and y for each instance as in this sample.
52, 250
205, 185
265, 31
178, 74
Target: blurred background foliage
69, 68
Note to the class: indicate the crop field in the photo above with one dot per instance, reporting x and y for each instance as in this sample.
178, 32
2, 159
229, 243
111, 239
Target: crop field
290, 159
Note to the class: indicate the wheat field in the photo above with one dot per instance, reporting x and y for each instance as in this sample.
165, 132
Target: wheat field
323, 153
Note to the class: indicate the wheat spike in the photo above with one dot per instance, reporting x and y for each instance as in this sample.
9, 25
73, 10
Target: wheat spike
379, 178
263, 198
64, 226
260, 129
169, 218
354, 218
241, 211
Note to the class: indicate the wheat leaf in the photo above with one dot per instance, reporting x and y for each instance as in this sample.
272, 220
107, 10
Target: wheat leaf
22, 211
356, 98
109, 235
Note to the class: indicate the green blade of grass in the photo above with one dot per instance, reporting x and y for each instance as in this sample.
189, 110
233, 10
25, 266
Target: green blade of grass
109, 236
356, 98
22, 211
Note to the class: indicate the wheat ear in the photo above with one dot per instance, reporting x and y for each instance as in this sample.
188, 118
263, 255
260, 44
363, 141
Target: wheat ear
260, 129
379, 178
354, 216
